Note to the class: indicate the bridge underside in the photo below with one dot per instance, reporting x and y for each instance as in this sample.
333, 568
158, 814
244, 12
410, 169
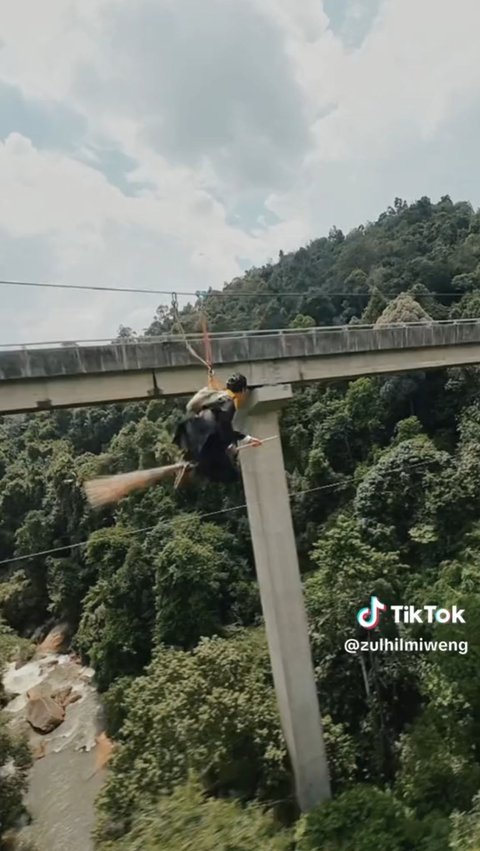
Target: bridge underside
21, 395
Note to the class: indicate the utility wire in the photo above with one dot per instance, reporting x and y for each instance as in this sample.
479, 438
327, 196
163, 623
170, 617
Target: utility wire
216, 294
331, 486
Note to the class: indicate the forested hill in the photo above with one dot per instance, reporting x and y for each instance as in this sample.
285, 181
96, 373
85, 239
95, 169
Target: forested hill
423, 248
385, 482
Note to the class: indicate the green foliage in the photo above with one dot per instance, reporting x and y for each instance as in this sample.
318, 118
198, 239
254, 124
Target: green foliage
469, 306
199, 582
16, 597
188, 819
349, 568
391, 499
403, 308
407, 429
466, 829
15, 755
301, 321
365, 408
375, 307
68, 581
361, 690
12, 647
114, 705
213, 711
438, 770
15, 761
359, 820
116, 627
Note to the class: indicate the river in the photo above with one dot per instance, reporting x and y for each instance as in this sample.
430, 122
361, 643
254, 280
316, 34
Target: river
64, 782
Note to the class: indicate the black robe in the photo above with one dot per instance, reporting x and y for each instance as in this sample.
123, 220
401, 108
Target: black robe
205, 437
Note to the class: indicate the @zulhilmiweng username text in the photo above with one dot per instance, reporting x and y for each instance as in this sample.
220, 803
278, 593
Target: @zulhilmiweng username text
369, 618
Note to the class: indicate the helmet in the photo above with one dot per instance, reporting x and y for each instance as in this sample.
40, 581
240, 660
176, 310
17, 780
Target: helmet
237, 383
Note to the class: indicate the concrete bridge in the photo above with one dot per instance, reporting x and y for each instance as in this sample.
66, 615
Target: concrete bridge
73, 375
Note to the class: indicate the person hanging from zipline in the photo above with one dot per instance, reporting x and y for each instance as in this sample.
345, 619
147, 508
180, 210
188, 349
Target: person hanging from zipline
207, 436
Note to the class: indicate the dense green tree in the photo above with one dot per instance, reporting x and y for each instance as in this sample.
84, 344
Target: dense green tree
404, 308
15, 755
359, 820
375, 307
117, 622
466, 829
391, 499
302, 322
200, 583
438, 771
213, 711
15, 762
187, 816
363, 691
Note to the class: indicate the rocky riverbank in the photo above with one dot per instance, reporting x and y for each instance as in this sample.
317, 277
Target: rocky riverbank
53, 700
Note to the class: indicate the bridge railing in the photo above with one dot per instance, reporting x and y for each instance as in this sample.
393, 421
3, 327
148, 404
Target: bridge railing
229, 335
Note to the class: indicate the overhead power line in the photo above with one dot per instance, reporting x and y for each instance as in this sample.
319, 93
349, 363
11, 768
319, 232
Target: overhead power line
331, 486
216, 294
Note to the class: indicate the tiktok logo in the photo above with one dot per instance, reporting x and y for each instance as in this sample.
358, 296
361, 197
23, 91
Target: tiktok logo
369, 618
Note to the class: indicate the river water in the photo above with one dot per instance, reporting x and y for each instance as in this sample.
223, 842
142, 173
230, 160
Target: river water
63, 783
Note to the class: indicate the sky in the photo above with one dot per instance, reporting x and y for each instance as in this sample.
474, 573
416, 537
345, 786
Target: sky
173, 144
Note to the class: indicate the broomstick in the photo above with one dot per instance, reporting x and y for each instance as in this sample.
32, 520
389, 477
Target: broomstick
108, 489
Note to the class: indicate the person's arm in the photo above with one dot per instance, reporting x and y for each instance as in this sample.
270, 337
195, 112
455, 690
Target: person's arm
227, 411
246, 439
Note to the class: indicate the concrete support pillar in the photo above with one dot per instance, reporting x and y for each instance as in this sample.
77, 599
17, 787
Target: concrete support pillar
282, 597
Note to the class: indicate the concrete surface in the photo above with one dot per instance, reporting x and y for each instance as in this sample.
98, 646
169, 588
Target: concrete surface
276, 560
36, 379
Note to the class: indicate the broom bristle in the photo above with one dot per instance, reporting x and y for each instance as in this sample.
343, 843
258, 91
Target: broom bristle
108, 489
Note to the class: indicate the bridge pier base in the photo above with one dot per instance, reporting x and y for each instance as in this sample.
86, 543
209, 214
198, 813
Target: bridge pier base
280, 586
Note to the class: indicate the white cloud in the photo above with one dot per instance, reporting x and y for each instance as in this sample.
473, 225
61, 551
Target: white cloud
172, 238
219, 103
418, 62
41, 43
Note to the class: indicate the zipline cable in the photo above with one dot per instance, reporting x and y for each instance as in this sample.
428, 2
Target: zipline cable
216, 294
292, 494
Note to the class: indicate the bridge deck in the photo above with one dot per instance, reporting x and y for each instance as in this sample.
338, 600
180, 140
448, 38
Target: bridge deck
74, 375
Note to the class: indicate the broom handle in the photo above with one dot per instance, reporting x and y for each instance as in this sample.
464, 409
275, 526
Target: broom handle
265, 440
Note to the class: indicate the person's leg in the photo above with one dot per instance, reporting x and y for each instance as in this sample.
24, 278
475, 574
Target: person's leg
192, 434
213, 460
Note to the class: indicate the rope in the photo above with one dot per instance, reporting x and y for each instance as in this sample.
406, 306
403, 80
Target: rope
207, 361
207, 345
178, 324
213, 382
